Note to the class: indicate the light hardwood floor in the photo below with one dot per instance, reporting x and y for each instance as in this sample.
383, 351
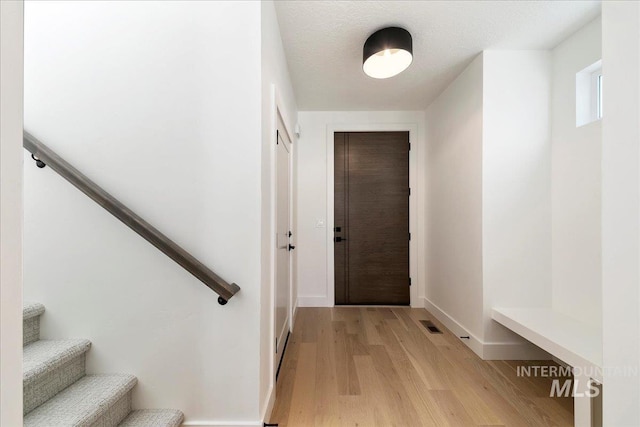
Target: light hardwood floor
365, 366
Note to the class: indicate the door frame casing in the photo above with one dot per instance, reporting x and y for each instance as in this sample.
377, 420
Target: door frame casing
289, 147
412, 128
278, 110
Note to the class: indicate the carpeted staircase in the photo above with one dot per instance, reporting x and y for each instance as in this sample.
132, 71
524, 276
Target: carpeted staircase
58, 392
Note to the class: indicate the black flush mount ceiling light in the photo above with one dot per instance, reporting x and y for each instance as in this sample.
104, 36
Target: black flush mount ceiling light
387, 52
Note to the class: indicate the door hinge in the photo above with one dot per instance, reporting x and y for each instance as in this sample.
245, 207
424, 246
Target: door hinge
409, 190
276, 350
409, 281
409, 236
409, 146
277, 137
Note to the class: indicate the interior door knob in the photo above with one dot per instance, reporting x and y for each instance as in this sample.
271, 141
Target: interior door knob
291, 247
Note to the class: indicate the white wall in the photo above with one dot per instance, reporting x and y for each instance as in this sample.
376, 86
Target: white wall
275, 77
454, 201
576, 178
151, 102
11, 88
621, 210
312, 244
489, 199
516, 186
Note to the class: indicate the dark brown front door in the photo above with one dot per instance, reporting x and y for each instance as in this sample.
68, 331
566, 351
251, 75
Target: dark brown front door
371, 235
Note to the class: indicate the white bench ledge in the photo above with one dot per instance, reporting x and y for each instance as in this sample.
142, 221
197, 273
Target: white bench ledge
575, 343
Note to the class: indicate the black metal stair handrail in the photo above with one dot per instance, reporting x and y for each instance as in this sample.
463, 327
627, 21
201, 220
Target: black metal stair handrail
44, 156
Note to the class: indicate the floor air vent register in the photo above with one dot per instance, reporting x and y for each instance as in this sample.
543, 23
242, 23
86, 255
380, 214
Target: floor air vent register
433, 329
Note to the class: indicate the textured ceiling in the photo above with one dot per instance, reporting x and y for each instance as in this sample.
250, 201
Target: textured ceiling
323, 42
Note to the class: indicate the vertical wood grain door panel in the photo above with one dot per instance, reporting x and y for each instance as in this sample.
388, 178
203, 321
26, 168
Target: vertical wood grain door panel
340, 218
371, 238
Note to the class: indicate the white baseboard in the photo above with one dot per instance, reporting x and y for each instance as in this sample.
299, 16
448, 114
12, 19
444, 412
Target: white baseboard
474, 343
223, 423
319, 301
268, 408
266, 414
294, 316
487, 350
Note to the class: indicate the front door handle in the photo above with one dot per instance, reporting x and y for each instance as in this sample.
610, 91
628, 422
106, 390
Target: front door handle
291, 247
339, 239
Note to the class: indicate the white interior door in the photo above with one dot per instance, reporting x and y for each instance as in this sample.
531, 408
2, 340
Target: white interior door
283, 236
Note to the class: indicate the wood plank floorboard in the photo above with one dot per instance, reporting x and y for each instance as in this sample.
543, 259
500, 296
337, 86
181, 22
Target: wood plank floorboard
379, 366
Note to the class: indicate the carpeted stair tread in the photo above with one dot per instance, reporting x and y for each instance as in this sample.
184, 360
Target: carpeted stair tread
44, 356
82, 403
31, 309
153, 418
31, 312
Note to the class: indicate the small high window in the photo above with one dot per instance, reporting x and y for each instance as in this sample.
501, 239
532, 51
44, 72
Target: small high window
589, 94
